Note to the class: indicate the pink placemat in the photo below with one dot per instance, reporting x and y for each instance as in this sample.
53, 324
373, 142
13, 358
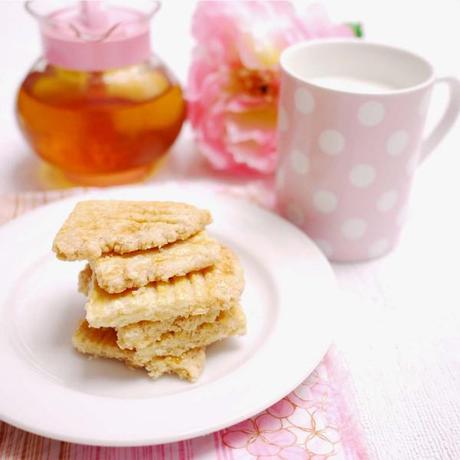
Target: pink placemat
314, 422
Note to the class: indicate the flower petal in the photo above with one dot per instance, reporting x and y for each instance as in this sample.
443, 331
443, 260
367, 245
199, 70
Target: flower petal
282, 438
281, 409
320, 419
242, 102
247, 426
303, 392
236, 439
319, 446
259, 447
301, 419
293, 453
246, 153
330, 434
299, 433
300, 402
266, 422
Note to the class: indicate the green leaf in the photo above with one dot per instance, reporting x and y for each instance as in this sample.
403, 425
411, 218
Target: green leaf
357, 28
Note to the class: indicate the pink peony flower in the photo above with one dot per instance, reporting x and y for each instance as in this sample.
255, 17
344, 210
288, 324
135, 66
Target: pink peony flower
234, 78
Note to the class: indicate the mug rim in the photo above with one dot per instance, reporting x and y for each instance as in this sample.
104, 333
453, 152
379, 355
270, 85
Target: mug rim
360, 43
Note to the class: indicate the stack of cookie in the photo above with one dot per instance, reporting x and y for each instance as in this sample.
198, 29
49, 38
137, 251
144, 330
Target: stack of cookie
159, 288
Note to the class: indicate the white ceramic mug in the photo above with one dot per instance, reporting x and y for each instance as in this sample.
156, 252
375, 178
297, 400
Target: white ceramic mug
350, 124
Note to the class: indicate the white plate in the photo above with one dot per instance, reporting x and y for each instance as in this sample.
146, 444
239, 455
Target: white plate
48, 388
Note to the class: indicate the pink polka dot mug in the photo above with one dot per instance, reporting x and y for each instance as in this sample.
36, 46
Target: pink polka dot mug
350, 124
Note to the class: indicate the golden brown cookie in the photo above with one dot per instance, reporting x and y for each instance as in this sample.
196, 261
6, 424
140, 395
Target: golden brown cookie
98, 227
214, 288
229, 323
116, 273
102, 343
129, 335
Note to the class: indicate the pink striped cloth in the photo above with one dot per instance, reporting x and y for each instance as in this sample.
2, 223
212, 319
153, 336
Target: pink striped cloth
314, 422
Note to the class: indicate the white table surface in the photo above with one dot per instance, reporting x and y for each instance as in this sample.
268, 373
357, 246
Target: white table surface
399, 327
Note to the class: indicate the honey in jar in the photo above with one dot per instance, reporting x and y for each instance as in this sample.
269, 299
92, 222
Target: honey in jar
98, 105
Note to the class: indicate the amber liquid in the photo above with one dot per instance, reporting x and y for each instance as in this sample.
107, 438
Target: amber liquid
96, 127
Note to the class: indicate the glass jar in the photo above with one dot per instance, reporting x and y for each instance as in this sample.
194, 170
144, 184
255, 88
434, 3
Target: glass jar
100, 126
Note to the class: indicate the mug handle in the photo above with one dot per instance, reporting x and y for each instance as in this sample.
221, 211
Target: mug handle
448, 118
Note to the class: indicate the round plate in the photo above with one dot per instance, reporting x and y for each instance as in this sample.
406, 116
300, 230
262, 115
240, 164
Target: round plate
50, 389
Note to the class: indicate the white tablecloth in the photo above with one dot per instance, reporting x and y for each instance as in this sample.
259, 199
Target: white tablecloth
400, 332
